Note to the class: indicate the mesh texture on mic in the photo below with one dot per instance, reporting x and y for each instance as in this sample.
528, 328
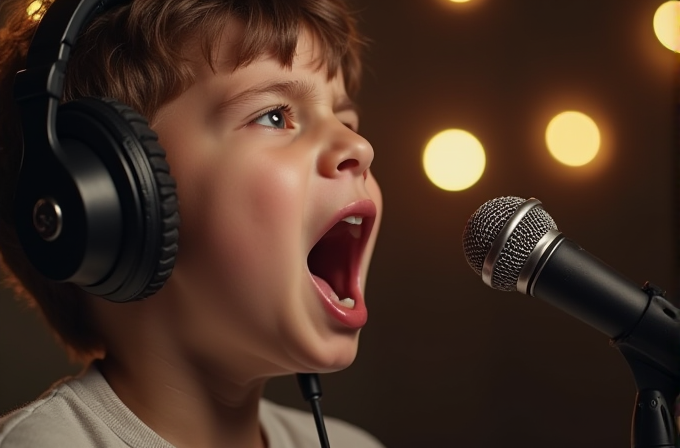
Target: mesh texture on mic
484, 226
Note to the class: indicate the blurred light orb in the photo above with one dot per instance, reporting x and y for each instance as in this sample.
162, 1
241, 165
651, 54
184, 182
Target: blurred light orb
454, 160
667, 25
459, 1
573, 138
33, 10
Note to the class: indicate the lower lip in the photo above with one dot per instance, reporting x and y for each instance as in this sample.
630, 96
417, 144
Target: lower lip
354, 318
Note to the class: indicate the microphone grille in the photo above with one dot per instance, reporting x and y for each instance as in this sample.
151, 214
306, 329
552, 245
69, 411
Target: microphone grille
483, 228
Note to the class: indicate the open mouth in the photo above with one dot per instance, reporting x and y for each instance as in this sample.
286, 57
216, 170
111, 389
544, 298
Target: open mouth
336, 258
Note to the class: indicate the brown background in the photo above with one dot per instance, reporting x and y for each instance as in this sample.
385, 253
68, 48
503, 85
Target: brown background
446, 361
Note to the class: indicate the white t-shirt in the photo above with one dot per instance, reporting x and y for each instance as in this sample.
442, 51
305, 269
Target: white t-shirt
85, 412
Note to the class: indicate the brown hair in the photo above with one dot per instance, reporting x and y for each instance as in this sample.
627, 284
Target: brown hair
135, 54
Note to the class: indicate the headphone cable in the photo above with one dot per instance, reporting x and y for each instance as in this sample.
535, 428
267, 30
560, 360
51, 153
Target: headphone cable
310, 386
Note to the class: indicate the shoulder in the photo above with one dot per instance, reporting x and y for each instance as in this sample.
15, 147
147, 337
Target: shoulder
77, 412
287, 427
49, 421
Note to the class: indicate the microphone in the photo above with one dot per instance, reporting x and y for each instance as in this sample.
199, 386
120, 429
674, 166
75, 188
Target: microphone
515, 246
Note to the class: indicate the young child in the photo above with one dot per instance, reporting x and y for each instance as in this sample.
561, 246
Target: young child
251, 101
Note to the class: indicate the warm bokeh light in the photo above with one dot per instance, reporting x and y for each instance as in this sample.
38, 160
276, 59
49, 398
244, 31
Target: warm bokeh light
34, 10
454, 160
667, 25
573, 138
459, 1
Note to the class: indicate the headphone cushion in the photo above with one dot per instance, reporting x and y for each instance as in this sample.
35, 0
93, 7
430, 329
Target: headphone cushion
167, 196
137, 165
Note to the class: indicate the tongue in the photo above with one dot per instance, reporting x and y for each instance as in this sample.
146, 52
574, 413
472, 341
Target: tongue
325, 288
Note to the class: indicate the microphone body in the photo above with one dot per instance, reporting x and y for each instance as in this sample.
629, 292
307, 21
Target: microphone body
583, 286
580, 284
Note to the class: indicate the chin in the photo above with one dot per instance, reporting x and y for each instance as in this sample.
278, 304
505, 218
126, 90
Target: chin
337, 365
339, 356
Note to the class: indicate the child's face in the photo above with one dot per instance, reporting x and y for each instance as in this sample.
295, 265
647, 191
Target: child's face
267, 161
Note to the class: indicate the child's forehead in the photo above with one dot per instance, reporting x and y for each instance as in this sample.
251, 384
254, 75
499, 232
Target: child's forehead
304, 81
226, 52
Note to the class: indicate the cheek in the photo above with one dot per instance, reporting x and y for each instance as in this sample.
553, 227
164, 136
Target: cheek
241, 221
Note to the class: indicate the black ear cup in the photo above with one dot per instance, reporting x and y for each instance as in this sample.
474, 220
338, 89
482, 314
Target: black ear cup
103, 213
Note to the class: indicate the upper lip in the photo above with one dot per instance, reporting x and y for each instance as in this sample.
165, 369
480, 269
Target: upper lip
364, 208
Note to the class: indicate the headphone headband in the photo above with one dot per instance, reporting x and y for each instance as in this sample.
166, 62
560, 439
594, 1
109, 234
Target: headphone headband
47, 56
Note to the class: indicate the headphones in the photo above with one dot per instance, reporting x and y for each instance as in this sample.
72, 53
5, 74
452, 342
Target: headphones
95, 203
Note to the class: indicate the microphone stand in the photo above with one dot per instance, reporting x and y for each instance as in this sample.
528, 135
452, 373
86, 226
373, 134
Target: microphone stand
652, 350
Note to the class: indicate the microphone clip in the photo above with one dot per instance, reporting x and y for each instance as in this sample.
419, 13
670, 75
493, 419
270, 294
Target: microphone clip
651, 349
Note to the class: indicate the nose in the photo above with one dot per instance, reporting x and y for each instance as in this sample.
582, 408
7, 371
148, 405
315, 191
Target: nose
346, 152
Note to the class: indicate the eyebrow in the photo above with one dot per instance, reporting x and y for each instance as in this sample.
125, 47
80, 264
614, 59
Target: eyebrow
300, 90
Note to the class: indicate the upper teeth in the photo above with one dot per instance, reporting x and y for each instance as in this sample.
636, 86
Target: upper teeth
353, 220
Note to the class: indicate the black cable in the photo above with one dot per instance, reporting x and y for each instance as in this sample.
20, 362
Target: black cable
310, 386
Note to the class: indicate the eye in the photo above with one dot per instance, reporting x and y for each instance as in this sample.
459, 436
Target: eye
278, 118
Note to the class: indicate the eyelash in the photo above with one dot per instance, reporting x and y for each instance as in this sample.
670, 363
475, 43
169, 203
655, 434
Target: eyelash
285, 110
288, 115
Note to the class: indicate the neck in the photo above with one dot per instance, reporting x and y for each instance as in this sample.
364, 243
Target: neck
188, 410
169, 375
